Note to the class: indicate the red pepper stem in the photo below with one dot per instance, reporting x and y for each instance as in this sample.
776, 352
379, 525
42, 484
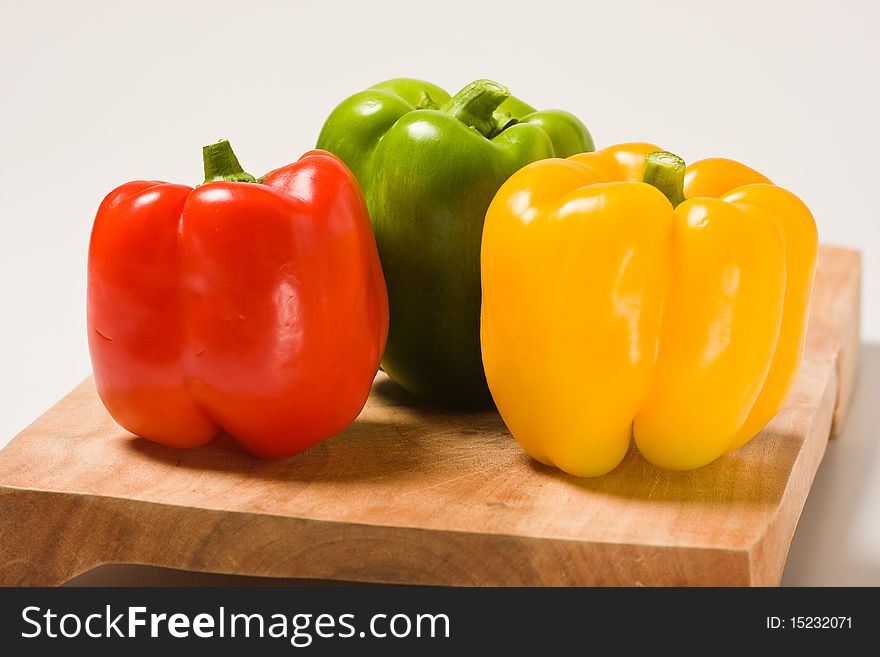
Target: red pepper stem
222, 164
665, 171
475, 105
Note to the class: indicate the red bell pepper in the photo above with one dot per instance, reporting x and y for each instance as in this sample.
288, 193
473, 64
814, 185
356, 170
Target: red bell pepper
259, 309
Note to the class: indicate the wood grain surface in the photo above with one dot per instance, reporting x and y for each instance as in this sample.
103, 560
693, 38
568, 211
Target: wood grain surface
414, 494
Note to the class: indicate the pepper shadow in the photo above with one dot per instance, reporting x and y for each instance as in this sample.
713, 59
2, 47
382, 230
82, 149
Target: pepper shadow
731, 481
396, 436
391, 393
357, 454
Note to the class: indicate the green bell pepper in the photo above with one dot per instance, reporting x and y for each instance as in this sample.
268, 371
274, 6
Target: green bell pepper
429, 166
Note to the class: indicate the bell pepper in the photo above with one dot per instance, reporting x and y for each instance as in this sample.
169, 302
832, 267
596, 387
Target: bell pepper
429, 166
255, 308
615, 308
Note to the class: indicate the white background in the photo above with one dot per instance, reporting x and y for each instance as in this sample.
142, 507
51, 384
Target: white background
93, 94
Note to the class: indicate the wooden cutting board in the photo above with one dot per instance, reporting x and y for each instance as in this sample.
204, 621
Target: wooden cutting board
413, 494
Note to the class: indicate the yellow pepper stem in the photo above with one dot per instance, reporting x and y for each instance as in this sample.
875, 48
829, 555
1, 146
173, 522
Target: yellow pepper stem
665, 171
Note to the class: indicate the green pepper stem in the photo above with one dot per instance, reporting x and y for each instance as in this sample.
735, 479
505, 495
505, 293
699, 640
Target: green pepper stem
426, 102
665, 171
475, 105
221, 164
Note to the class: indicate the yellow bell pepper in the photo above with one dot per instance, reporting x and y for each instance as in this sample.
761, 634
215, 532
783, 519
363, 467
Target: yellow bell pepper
614, 308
